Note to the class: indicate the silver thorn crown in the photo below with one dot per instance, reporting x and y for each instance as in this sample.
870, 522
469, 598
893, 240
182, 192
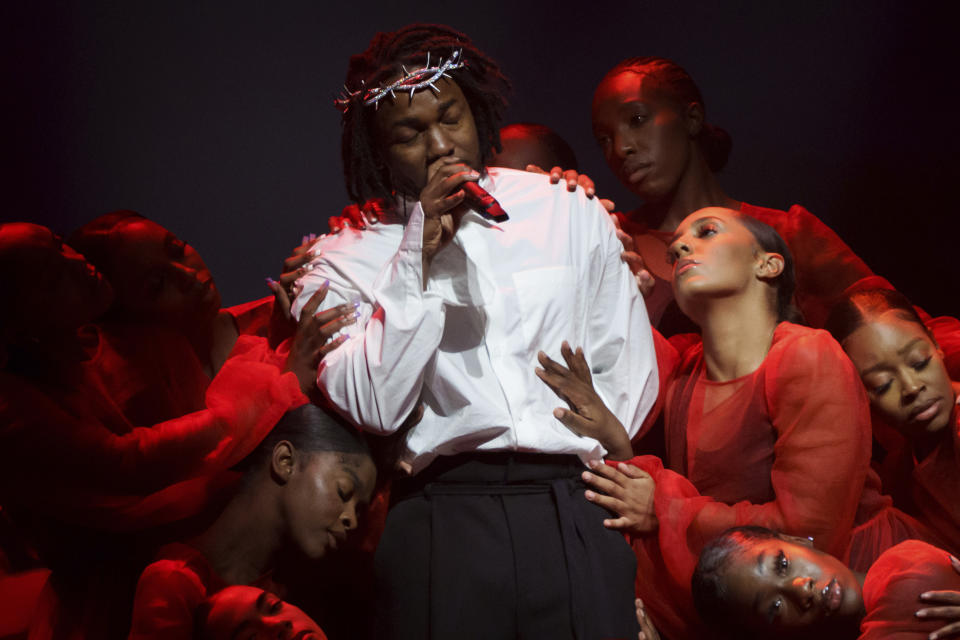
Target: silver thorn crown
411, 81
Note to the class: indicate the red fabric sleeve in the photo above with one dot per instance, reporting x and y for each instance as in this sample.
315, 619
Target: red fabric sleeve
946, 331
893, 586
821, 416
168, 594
89, 468
253, 318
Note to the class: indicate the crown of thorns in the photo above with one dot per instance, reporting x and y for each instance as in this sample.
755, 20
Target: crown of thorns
411, 81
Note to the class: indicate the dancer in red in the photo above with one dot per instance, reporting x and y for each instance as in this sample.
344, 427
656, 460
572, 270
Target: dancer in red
300, 496
650, 120
102, 472
766, 421
754, 583
903, 370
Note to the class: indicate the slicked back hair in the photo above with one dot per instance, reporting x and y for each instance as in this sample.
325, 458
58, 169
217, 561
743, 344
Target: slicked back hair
679, 87
365, 169
856, 309
785, 283
310, 429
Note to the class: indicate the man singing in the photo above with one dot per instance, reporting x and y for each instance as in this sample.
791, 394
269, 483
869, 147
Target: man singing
490, 536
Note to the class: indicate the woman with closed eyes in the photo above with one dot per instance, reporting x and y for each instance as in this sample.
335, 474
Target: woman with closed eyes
914, 403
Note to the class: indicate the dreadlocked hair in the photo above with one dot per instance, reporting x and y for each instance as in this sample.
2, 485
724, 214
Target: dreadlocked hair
365, 170
715, 142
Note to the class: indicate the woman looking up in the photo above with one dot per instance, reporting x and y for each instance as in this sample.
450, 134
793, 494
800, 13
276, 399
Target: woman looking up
650, 121
766, 422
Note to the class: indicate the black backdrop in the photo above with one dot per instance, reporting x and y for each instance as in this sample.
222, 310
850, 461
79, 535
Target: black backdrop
215, 119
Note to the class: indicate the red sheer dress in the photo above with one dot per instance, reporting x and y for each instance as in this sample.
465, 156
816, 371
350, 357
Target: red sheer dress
892, 588
172, 588
78, 477
927, 488
785, 447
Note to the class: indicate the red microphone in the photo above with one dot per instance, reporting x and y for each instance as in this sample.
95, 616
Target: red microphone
485, 204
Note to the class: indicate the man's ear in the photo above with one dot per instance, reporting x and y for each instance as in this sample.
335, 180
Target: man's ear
770, 265
803, 542
283, 461
694, 119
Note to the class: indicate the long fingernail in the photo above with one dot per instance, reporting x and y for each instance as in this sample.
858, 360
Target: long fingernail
271, 282
326, 283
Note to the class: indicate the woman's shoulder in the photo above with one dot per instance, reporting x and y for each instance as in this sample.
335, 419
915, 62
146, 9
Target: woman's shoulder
804, 343
770, 215
803, 354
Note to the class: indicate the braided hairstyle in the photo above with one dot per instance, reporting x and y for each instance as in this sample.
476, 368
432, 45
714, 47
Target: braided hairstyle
679, 87
365, 170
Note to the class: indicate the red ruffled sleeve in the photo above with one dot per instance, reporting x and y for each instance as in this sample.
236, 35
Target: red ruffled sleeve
892, 588
168, 594
253, 318
108, 475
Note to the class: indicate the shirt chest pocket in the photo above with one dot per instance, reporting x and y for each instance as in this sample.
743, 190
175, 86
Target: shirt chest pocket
548, 304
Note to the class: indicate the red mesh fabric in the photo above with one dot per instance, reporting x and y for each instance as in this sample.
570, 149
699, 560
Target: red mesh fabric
892, 588
786, 447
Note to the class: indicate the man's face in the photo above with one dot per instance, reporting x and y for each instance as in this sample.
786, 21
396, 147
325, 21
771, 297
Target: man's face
416, 133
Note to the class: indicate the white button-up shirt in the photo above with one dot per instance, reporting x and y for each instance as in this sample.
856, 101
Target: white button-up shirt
466, 346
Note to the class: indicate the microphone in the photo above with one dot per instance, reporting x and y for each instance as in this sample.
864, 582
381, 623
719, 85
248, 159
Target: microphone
485, 204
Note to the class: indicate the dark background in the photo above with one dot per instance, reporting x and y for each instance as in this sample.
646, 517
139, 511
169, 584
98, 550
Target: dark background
215, 119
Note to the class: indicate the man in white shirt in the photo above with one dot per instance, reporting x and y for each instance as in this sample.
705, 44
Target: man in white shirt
491, 536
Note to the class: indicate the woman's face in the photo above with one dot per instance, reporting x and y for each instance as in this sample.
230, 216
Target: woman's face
57, 288
160, 278
713, 255
248, 613
645, 138
903, 372
323, 496
793, 590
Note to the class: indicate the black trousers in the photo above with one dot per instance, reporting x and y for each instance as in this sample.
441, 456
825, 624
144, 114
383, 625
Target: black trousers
502, 545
